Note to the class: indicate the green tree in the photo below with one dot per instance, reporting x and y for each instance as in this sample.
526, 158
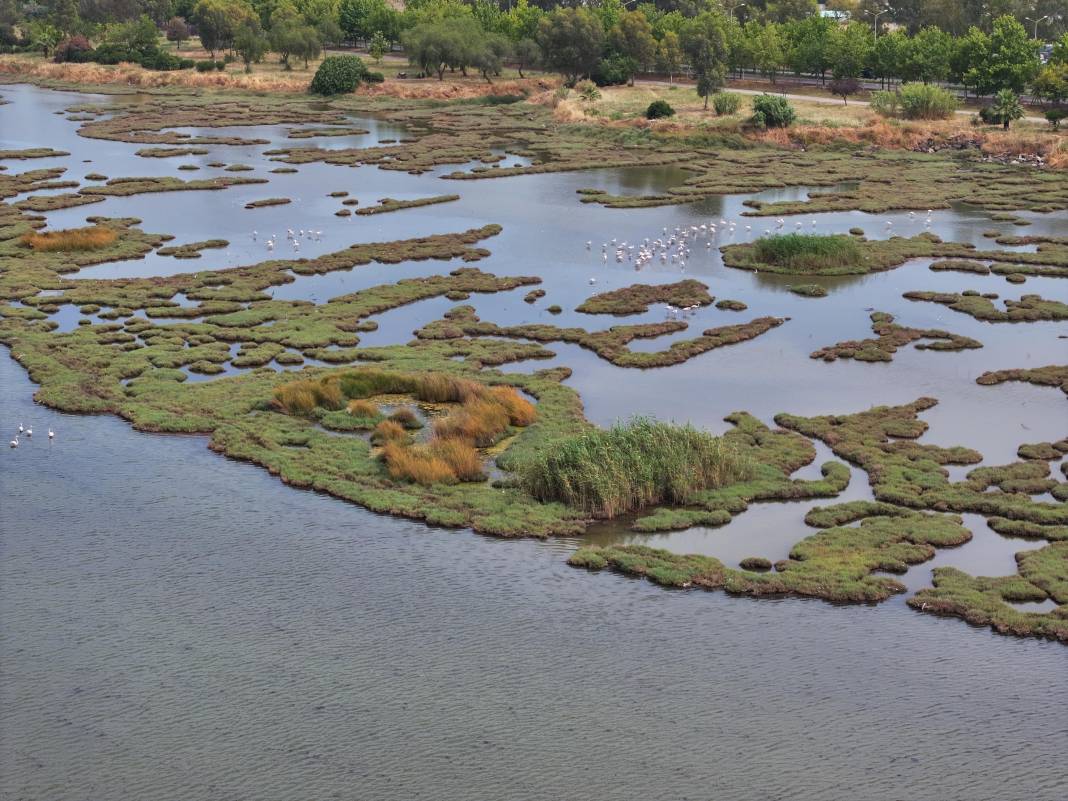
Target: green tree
850, 50
787, 10
966, 64
453, 43
354, 16
521, 21
177, 31
809, 45
1051, 83
1006, 107
571, 40
704, 41
527, 55
293, 37
632, 37
378, 46
217, 22
669, 55
926, 56
249, 42
1013, 59
887, 54
44, 36
766, 44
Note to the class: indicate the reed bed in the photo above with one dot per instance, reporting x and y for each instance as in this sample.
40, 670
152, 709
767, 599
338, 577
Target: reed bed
93, 237
609, 472
807, 252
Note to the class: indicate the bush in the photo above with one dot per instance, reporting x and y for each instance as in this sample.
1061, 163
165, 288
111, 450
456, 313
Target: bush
160, 60
338, 75
205, 66
114, 53
926, 102
1055, 115
659, 109
186, 64
373, 77
773, 111
220, 65
614, 71
75, 49
588, 91
885, 104
726, 103
609, 472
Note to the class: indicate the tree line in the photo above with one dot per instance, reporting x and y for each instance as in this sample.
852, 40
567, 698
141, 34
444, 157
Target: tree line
607, 40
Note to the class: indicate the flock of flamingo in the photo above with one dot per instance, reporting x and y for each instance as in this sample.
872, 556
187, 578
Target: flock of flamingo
29, 435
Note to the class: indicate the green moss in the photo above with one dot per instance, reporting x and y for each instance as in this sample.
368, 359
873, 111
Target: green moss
388, 204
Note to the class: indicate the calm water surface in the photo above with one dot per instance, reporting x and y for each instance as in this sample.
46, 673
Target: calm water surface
176, 625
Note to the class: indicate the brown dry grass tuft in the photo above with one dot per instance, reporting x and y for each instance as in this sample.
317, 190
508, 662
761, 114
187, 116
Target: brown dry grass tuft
461, 457
479, 420
362, 408
416, 464
521, 412
388, 431
93, 237
301, 397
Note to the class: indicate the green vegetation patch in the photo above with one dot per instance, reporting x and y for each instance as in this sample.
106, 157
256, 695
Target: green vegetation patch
1027, 309
889, 337
191, 250
637, 298
388, 204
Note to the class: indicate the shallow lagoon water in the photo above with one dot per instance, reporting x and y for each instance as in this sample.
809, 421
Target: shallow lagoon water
177, 625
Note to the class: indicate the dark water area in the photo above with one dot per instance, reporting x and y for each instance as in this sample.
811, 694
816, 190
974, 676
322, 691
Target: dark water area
175, 625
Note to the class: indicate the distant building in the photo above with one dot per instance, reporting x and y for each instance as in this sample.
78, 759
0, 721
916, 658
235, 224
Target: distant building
841, 17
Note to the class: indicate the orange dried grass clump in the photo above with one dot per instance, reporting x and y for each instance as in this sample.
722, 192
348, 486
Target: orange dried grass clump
416, 464
362, 408
92, 237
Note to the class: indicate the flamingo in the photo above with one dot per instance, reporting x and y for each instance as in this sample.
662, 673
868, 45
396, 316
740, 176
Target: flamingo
51, 434
29, 431
21, 429
14, 443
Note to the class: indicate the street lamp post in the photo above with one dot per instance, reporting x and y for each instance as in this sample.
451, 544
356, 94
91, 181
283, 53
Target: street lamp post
730, 11
1037, 21
877, 15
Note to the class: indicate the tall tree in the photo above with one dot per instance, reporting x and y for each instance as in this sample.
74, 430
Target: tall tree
704, 40
632, 37
571, 40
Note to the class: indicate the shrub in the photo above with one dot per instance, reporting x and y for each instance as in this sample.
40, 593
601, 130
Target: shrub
388, 431
1054, 117
885, 103
220, 66
338, 75
92, 237
659, 109
726, 103
186, 64
373, 77
362, 408
205, 66
614, 71
608, 472
588, 91
160, 60
920, 101
75, 49
775, 111
114, 53
807, 252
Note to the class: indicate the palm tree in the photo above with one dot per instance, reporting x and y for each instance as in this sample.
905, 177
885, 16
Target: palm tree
1006, 107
